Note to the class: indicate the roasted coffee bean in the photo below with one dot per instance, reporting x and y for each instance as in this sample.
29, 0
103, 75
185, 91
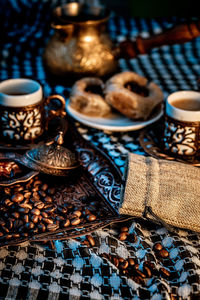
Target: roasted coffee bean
123, 265
44, 214
15, 215
163, 253
75, 221
158, 247
60, 218
17, 198
48, 199
42, 227
47, 221
62, 210
91, 218
44, 187
49, 208
42, 194
37, 182
36, 196
77, 213
131, 261
121, 260
39, 204
23, 210
123, 236
39, 217
149, 264
34, 218
24, 234
18, 189
29, 225
7, 191
116, 261
124, 229
140, 273
27, 194
90, 240
86, 243
66, 223
52, 227
8, 236
147, 271
3, 208
164, 272
1, 234
138, 279
9, 224
26, 205
35, 211
5, 229
8, 202
26, 218
15, 235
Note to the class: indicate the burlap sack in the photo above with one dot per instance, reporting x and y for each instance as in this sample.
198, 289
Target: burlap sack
161, 190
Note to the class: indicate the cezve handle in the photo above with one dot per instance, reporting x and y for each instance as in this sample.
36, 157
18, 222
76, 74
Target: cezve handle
176, 35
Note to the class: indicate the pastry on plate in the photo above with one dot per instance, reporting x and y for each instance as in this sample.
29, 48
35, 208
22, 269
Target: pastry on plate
87, 97
132, 95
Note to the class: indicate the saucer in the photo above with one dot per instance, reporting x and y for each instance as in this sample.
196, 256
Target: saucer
115, 121
151, 142
55, 125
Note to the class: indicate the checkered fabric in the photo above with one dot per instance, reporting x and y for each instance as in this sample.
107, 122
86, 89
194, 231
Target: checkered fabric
71, 269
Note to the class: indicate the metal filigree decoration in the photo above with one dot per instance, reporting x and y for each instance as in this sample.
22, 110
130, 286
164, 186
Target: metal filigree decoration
151, 141
21, 124
107, 180
181, 138
51, 159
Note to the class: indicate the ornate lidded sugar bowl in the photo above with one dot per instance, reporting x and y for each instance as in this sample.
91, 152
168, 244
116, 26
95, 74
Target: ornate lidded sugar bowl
80, 44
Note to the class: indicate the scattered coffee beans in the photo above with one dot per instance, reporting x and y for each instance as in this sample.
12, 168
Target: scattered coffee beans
32, 208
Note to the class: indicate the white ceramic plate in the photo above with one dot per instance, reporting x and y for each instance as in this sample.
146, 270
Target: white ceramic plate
113, 122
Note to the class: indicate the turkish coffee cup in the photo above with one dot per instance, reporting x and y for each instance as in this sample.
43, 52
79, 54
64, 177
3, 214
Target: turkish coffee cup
24, 110
182, 125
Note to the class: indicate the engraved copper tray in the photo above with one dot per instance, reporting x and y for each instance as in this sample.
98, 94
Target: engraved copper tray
97, 180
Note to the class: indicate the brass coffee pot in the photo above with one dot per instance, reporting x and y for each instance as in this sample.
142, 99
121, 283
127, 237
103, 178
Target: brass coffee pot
81, 45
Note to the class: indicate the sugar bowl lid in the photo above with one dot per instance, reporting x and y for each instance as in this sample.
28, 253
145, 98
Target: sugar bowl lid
52, 159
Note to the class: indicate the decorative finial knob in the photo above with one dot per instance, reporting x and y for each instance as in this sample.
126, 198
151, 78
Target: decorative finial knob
59, 138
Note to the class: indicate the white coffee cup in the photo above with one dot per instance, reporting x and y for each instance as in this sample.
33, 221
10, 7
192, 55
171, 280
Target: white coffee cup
174, 109
23, 116
20, 92
182, 123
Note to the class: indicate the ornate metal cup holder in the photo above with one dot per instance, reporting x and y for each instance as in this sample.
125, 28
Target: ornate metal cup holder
151, 140
56, 124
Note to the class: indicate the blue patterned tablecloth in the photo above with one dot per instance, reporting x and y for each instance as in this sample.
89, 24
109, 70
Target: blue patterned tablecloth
72, 270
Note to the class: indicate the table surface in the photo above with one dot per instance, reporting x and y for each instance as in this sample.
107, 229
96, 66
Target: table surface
70, 268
